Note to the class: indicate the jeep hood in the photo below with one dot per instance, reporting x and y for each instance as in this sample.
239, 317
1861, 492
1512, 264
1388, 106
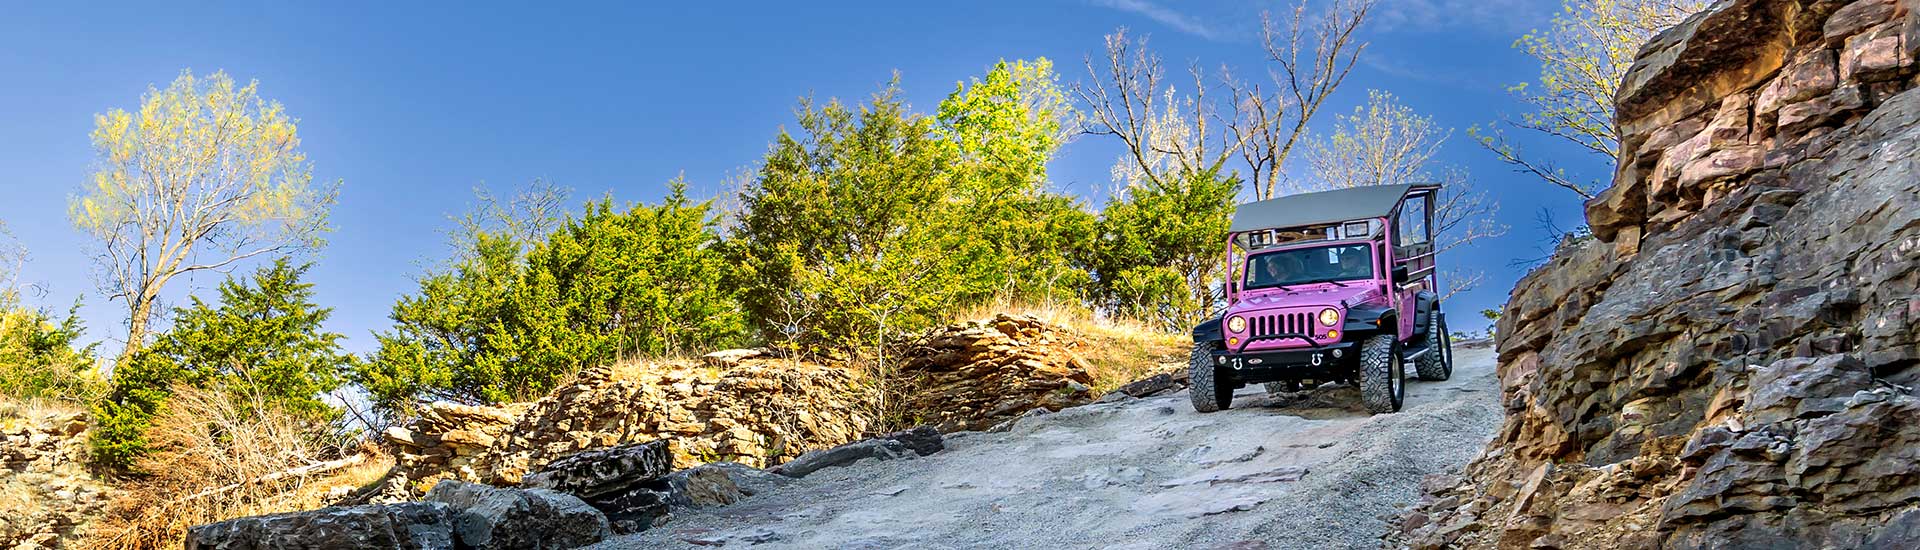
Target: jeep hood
1317, 295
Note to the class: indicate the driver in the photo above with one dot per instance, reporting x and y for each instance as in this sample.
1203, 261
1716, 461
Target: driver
1280, 269
1353, 264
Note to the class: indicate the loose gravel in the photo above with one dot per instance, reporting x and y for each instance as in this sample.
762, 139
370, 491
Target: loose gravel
1303, 470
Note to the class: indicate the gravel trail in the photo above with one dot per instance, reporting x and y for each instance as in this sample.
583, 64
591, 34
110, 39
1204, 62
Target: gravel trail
1308, 470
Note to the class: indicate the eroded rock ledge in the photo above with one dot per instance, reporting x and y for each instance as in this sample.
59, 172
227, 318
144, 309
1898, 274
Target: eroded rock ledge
1731, 363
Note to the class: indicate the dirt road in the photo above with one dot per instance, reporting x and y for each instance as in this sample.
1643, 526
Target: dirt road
1307, 470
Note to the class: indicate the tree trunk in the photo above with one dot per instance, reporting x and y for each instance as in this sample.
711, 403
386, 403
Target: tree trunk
136, 328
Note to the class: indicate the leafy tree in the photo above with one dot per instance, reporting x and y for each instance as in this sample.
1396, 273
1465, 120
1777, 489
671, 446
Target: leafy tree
1004, 129
510, 318
1160, 249
203, 175
1583, 56
263, 343
646, 280
444, 333
850, 229
38, 353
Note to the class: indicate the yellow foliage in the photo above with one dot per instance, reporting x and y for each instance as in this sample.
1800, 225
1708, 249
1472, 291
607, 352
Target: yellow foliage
203, 171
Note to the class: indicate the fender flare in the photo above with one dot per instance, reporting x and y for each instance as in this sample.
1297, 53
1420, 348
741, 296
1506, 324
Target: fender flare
1364, 319
1210, 331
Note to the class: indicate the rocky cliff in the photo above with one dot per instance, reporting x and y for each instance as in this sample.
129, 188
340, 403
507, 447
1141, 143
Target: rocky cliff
740, 406
1730, 363
749, 406
972, 375
47, 497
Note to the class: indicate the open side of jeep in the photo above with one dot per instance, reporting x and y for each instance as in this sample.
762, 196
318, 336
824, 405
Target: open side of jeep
1334, 286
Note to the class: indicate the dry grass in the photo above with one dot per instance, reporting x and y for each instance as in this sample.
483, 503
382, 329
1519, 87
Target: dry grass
216, 459
1117, 350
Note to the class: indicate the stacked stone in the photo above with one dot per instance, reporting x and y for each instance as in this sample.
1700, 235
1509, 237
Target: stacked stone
973, 375
48, 495
741, 406
1731, 363
443, 443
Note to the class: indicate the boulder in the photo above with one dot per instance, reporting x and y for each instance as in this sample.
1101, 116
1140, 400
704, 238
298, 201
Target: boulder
624, 483
597, 472
880, 449
409, 526
697, 486
1152, 385
496, 518
921, 441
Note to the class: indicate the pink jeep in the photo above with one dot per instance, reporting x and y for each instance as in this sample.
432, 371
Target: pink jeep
1335, 286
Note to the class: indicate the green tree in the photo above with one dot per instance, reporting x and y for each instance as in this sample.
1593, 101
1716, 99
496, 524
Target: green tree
39, 357
1003, 130
205, 174
1160, 250
263, 343
1583, 56
851, 229
638, 280
511, 318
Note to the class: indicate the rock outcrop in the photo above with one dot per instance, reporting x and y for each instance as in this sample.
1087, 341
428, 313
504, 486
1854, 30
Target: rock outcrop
973, 375
455, 515
408, 526
921, 441
625, 483
1730, 363
741, 406
46, 493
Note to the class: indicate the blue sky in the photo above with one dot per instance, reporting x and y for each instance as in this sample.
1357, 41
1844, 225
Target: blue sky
412, 105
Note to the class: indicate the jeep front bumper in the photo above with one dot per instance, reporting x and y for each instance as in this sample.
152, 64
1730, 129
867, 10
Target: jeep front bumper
1287, 364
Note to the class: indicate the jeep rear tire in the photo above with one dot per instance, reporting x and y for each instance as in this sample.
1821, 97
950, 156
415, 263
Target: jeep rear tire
1437, 362
1383, 374
1209, 392
1285, 386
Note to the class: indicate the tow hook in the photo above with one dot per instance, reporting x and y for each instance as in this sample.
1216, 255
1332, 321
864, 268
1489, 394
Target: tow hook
1316, 359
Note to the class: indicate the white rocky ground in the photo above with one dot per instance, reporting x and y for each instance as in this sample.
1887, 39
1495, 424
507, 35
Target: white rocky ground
1308, 470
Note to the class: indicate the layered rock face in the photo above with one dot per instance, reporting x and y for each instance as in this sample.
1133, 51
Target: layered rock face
740, 406
973, 375
1731, 363
46, 493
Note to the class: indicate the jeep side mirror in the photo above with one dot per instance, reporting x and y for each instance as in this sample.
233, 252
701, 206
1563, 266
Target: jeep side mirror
1399, 274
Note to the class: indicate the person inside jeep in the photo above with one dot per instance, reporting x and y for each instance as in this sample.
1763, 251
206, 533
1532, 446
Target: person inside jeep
1353, 265
1277, 270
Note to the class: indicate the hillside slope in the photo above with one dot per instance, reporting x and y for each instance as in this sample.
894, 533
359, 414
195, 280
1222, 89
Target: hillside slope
1309, 471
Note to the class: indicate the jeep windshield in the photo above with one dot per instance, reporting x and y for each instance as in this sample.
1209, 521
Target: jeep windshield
1301, 266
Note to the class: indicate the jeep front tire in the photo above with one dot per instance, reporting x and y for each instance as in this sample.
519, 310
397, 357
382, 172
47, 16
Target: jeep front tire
1383, 374
1209, 392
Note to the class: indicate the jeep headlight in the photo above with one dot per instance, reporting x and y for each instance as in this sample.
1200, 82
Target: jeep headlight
1329, 316
1236, 324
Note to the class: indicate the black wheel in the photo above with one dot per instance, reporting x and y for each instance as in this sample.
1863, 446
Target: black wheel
1209, 391
1437, 363
1383, 375
1286, 386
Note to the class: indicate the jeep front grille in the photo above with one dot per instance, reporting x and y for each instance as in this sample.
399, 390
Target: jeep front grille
1284, 323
